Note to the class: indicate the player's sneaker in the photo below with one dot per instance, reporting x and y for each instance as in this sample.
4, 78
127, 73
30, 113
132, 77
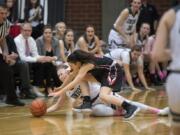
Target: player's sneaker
131, 111
84, 107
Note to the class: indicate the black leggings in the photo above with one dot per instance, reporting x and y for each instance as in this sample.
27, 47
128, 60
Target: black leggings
45, 71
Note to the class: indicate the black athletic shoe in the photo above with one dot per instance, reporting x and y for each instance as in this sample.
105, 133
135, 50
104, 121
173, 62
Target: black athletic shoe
84, 107
15, 102
131, 112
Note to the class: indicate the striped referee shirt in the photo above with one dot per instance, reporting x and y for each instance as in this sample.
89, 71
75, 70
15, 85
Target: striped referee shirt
3, 28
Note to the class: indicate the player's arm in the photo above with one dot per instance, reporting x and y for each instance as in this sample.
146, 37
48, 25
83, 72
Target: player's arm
78, 78
82, 44
160, 51
118, 25
62, 54
128, 75
97, 46
70, 77
60, 102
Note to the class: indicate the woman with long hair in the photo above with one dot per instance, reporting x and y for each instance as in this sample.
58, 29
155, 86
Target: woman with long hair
66, 44
47, 46
34, 15
89, 42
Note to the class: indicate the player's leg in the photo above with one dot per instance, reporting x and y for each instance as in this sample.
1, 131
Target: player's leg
173, 90
147, 108
102, 110
105, 95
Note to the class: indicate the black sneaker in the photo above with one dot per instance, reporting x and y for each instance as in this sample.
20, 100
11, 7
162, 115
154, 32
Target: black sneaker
15, 102
84, 107
131, 112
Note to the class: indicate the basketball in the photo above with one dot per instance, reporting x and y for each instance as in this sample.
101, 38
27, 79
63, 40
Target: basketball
38, 107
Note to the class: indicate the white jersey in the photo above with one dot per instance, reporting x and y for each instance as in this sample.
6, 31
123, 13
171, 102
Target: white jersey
117, 54
124, 56
115, 40
94, 92
175, 42
129, 25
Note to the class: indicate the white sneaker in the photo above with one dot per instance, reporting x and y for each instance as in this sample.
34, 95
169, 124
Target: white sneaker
164, 112
36, 91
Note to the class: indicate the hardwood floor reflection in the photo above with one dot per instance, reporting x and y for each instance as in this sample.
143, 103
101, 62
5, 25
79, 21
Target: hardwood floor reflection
18, 120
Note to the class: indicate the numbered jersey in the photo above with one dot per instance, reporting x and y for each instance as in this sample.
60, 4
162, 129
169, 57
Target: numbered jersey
130, 23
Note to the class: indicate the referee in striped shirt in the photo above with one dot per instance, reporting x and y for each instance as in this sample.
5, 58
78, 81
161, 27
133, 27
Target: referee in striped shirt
7, 82
4, 23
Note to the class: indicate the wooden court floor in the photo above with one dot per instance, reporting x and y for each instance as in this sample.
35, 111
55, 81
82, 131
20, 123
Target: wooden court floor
18, 120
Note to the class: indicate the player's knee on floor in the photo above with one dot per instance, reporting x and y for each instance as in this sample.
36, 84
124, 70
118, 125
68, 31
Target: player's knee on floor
102, 110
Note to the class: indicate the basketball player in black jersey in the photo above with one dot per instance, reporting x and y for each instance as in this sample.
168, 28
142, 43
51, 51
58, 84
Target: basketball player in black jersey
87, 67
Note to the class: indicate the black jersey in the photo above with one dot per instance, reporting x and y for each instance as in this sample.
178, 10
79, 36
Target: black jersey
107, 72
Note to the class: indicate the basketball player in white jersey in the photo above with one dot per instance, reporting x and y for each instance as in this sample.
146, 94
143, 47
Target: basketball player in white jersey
168, 33
132, 62
98, 107
124, 28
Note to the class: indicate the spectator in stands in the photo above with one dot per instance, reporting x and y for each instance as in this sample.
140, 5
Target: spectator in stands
67, 44
60, 29
11, 8
89, 42
27, 49
142, 36
12, 16
149, 15
34, 15
48, 46
20, 68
